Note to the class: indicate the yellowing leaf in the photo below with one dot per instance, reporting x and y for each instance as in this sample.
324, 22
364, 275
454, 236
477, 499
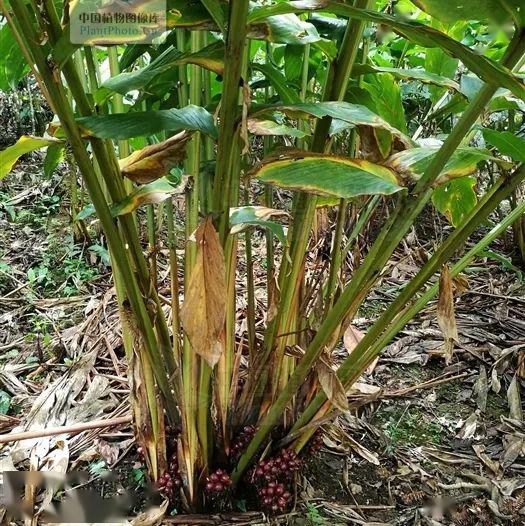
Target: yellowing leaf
456, 199
152, 162
446, 316
332, 386
204, 309
328, 175
411, 164
151, 193
25, 144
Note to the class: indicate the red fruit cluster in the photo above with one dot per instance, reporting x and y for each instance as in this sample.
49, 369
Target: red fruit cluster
171, 480
218, 482
315, 444
172, 435
274, 497
284, 465
241, 441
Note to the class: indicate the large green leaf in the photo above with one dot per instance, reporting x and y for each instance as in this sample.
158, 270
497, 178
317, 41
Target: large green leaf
217, 12
278, 81
498, 11
386, 93
456, 199
210, 57
411, 164
125, 125
245, 216
25, 144
54, 155
507, 143
413, 30
328, 175
410, 73
12, 66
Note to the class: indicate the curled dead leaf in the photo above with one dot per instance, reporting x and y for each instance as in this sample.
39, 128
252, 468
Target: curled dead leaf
151, 517
152, 162
351, 338
204, 309
514, 399
446, 316
332, 386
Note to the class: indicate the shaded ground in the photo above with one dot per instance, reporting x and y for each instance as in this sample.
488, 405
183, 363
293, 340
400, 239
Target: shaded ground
425, 443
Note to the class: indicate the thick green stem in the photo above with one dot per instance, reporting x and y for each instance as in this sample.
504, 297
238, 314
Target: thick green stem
305, 207
235, 43
107, 162
367, 349
67, 119
400, 221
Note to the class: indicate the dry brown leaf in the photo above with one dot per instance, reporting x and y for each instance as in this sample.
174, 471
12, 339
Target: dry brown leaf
493, 465
481, 388
151, 517
351, 338
446, 316
155, 161
332, 386
204, 309
514, 399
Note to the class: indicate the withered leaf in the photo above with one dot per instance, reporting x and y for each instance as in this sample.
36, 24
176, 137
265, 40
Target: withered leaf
514, 399
152, 162
204, 309
446, 316
351, 338
332, 386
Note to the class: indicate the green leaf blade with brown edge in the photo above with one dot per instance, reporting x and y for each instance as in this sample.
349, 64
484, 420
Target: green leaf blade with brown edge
507, 143
151, 193
156, 160
27, 143
411, 164
123, 126
409, 73
266, 127
456, 199
328, 176
352, 114
204, 310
